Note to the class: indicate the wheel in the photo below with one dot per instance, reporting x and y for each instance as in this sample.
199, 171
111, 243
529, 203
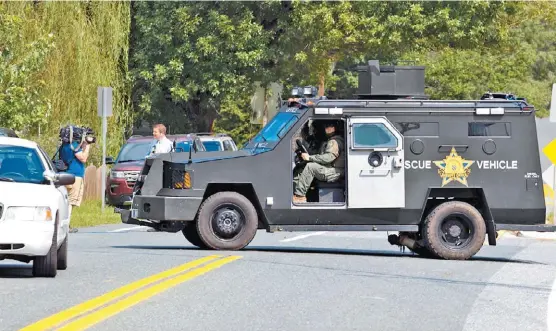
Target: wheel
190, 233
454, 230
63, 255
46, 266
227, 221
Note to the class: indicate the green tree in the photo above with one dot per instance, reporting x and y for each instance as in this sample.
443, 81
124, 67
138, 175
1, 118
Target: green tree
190, 58
23, 104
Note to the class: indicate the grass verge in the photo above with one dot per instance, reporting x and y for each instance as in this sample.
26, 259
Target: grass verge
90, 214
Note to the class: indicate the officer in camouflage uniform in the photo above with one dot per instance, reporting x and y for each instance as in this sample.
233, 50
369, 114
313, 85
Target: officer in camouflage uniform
327, 166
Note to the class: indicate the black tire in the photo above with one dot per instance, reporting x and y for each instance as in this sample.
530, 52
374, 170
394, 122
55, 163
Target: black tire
445, 226
192, 235
237, 218
63, 255
47, 266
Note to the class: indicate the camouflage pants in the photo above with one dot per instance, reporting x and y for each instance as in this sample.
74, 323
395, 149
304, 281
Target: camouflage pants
302, 179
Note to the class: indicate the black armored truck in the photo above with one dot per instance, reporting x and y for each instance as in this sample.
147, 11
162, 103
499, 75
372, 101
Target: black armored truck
444, 174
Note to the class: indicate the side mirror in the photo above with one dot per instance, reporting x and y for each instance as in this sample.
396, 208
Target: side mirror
64, 178
109, 160
59, 179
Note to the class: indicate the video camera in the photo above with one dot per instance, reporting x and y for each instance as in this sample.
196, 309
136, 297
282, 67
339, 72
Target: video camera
71, 133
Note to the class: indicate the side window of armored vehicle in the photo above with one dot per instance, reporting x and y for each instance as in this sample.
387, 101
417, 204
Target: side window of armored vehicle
489, 129
418, 129
374, 135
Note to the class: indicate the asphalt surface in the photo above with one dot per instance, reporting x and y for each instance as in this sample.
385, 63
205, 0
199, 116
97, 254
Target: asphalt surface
289, 281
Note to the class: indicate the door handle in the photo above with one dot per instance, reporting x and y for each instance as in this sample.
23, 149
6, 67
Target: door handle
374, 172
448, 148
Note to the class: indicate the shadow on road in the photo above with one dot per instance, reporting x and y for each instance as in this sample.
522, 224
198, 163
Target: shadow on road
16, 271
330, 251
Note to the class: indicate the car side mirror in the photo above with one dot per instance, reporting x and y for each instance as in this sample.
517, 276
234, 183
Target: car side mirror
109, 160
59, 179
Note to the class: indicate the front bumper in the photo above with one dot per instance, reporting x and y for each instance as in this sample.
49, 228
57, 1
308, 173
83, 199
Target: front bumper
162, 208
27, 238
120, 200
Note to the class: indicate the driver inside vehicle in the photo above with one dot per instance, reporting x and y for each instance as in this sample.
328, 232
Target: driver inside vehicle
328, 165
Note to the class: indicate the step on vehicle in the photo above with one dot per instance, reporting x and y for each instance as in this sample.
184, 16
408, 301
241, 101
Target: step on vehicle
444, 174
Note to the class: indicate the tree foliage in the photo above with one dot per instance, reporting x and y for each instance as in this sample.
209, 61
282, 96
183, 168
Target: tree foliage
22, 104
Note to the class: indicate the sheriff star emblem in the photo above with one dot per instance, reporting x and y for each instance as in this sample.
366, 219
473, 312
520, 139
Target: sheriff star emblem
454, 168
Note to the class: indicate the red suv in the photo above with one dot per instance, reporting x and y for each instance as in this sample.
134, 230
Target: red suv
130, 160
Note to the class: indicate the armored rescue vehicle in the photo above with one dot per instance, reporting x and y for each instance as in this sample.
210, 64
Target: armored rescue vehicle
444, 174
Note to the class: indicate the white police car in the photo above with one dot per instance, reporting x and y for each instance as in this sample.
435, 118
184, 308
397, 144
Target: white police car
34, 208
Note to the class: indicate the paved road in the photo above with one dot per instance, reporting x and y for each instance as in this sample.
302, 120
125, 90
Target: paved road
286, 281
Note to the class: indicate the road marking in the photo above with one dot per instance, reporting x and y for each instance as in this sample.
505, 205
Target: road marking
551, 309
100, 315
303, 236
125, 229
84, 307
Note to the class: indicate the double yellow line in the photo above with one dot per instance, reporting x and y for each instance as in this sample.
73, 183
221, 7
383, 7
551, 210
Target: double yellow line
168, 279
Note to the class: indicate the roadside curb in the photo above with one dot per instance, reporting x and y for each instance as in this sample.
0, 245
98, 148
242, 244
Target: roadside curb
528, 234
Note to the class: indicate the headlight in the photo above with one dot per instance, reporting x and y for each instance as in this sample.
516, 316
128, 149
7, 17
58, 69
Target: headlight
28, 214
117, 174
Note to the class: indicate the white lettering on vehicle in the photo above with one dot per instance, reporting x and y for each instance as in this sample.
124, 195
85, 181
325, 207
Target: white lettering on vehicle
497, 165
483, 165
418, 164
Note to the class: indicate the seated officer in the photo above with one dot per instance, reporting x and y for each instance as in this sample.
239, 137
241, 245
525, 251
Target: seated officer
327, 166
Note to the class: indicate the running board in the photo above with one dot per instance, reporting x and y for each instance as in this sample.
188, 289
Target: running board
301, 228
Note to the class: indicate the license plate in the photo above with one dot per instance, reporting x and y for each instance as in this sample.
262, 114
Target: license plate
134, 213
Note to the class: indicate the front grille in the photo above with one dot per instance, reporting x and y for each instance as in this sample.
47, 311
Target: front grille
131, 177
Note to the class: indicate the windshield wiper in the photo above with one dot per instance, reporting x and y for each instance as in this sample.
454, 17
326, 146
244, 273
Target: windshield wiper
6, 179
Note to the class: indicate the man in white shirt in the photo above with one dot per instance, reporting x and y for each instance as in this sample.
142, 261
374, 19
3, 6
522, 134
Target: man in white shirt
163, 144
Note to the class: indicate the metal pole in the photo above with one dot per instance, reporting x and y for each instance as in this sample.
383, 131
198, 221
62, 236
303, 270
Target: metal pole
103, 148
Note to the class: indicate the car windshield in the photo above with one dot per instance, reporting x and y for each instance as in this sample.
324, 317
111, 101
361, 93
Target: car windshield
212, 146
274, 130
135, 151
20, 164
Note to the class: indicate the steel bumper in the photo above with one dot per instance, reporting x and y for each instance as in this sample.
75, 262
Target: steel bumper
160, 209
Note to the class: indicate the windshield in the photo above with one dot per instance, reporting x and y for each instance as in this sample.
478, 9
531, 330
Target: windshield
20, 164
212, 146
274, 130
135, 151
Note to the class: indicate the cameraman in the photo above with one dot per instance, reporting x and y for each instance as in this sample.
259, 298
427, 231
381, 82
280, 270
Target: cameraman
75, 155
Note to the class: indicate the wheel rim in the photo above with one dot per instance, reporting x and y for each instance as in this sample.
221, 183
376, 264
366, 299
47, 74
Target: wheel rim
227, 221
456, 231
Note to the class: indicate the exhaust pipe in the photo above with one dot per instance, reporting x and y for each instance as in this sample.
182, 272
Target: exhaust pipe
402, 240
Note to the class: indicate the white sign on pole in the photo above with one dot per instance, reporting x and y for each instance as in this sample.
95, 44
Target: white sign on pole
552, 117
104, 105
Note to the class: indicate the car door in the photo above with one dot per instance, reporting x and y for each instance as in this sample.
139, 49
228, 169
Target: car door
376, 176
63, 200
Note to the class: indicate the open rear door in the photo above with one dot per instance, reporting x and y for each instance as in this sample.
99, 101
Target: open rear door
376, 177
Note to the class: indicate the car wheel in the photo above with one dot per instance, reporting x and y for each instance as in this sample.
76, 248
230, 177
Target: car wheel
46, 266
63, 255
454, 230
192, 235
227, 221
